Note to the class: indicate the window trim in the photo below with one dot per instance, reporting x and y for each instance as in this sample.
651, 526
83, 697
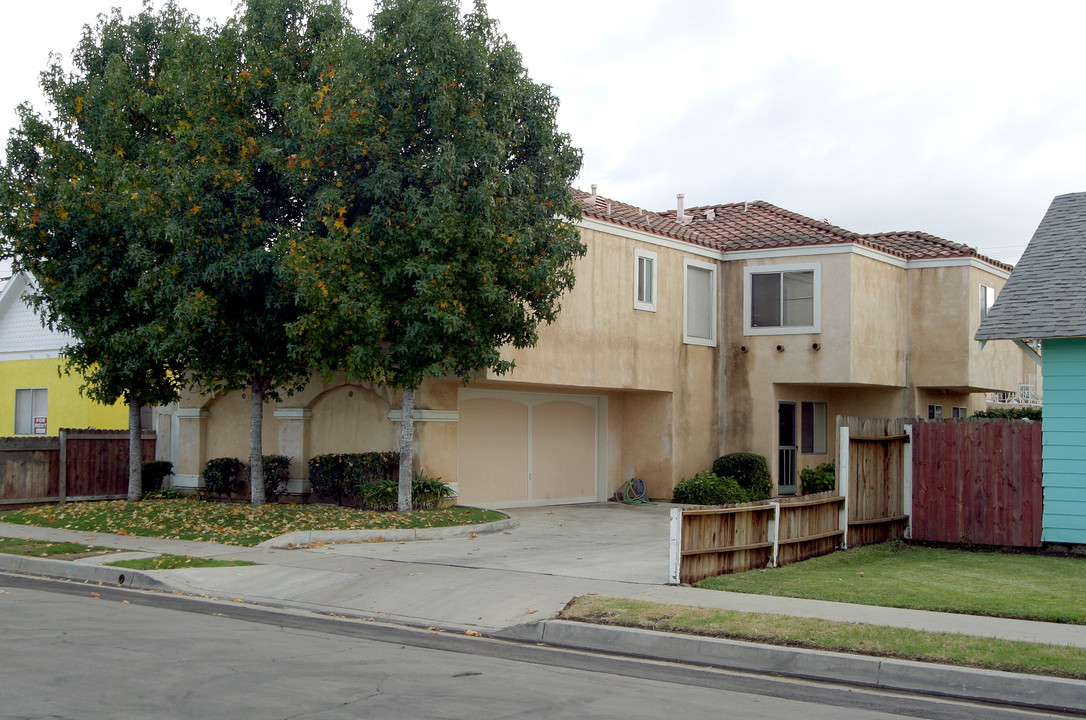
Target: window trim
650, 304
750, 270
712, 268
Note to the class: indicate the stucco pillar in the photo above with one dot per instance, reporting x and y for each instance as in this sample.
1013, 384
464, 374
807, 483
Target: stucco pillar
190, 429
292, 442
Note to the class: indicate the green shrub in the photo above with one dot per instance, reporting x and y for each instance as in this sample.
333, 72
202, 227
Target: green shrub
822, 478
749, 470
153, 473
426, 493
708, 488
167, 494
1017, 413
223, 477
338, 476
276, 476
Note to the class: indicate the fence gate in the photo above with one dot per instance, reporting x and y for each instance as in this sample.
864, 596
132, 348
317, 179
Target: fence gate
873, 458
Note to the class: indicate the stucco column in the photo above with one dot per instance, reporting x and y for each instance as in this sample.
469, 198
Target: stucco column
190, 426
292, 442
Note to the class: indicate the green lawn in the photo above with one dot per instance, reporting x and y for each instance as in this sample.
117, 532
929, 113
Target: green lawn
895, 574
175, 562
231, 523
42, 548
947, 648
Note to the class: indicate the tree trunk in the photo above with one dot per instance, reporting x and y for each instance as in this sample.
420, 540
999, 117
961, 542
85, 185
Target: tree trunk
135, 451
407, 441
256, 442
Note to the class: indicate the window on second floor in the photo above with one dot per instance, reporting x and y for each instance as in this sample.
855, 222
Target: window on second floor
784, 299
645, 280
699, 303
31, 411
987, 299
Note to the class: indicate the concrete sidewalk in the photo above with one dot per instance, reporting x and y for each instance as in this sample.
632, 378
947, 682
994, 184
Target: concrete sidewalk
505, 583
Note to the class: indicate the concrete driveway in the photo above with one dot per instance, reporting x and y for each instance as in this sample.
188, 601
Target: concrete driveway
598, 541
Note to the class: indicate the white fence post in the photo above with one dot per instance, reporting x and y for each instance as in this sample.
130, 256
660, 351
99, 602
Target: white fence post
842, 484
775, 532
907, 483
675, 553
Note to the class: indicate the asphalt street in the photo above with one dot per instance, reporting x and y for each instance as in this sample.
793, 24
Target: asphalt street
72, 650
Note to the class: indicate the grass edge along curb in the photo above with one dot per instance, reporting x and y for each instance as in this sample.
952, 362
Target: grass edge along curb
843, 637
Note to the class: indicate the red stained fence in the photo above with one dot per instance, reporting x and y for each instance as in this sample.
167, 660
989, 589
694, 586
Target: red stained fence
977, 482
76, 465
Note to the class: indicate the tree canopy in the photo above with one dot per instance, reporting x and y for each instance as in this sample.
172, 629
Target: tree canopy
441, 227
74, 212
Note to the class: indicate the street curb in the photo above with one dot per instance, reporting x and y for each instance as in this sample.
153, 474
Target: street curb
1035, 691
85, 572
309, 537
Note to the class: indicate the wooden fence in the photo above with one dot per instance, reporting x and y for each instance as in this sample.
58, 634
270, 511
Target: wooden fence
873, 452
76, 465
977, 482
715, 541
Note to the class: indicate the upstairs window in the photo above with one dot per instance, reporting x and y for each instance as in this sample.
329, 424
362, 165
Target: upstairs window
987, 299
783, 299
645, 280
31, 411
699, 303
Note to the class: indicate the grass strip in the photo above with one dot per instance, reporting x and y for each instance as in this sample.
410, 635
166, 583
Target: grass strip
232, 523
43, 548
176, 562
817, 634
896, 574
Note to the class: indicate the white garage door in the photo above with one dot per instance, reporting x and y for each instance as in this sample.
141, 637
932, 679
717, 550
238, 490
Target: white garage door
517, 449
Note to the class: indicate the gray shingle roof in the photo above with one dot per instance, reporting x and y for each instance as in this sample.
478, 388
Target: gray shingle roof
1045, 296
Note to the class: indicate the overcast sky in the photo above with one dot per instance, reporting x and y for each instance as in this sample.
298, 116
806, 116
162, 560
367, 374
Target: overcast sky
960, 119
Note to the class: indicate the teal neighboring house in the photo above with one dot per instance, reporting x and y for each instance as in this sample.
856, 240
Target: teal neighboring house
1045, 300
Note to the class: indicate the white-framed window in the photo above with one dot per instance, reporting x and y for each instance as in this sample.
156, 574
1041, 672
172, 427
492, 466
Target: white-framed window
987, 299
699, 303
644, 280
782, 299
812, 423
960, 413
31, 411
935, 412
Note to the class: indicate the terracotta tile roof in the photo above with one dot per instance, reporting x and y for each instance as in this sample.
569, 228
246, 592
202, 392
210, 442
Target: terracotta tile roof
759, 225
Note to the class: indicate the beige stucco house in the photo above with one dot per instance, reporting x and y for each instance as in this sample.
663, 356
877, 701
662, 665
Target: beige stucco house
690, 333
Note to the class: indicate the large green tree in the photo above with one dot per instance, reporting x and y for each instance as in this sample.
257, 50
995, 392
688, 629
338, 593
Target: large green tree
222, 176
76, 213
440, 229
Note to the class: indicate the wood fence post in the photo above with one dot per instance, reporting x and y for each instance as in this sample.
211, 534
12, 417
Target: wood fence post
63, 469
842, 484
775, 533
676, 545
907, 482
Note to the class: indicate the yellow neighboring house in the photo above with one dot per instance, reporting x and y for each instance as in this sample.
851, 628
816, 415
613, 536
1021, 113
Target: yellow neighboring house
36, 397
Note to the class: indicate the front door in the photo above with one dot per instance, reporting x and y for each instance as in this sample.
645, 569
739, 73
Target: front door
786, 452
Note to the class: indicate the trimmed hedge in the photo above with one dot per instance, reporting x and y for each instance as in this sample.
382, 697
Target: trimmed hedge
708, 488
751, 471
224, 476
153, 473
276, 476
341, 476
821, 478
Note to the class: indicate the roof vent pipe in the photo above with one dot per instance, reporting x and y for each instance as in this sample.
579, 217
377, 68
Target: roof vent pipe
593, 193
680, 214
